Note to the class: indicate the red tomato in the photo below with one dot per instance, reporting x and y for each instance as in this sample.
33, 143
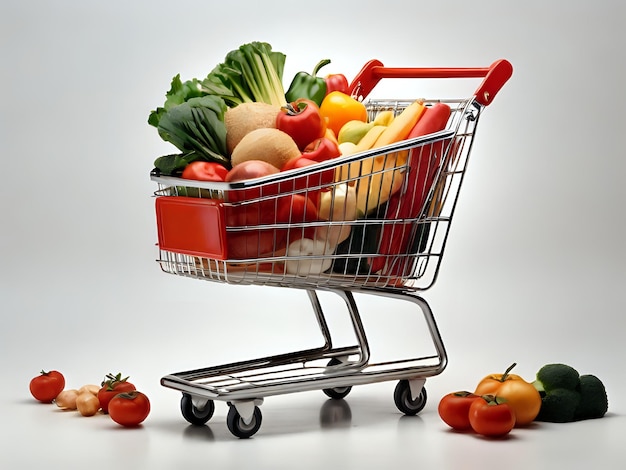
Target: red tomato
205, 171
250, 169
255, 242
297, 162
521, 396
322, 149
454, 409
302, 121
129, 408
113, 385
46, 386
491, 417
297, 209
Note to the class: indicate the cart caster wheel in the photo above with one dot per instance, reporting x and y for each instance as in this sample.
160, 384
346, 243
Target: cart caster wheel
336, 393
404, 402
194, 415
238, 427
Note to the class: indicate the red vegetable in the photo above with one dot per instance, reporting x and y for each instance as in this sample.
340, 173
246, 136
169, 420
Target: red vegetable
337, 82
129, 409
321, 149
298, 162
302, 121
205, 171
434, 119
406, 205
491, 417
46, 386
111, 386
297, 209
454, 409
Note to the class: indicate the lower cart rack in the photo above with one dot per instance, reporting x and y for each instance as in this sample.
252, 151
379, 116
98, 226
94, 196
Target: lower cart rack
251, 233
334, 370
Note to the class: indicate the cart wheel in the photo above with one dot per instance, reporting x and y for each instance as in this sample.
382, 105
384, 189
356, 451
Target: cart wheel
336, 393
194, 415
404, 402
238, 427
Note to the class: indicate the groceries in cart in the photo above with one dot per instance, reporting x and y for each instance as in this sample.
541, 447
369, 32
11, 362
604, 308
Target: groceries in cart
307, 180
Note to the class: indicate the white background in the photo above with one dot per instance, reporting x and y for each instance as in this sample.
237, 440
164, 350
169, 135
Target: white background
534, 268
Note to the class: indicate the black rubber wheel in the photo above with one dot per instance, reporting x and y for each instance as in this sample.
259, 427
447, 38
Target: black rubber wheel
404, 402
336, 393
238, 427
194, 415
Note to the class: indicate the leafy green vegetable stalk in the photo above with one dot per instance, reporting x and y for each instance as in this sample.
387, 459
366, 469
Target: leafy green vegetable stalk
192, 116
196, 127
253, 72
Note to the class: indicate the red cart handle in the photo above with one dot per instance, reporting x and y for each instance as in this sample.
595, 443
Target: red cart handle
496, 75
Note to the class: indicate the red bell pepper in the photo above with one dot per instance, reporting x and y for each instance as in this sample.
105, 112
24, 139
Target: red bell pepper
337, 82
397, 239
321, 149
302, 121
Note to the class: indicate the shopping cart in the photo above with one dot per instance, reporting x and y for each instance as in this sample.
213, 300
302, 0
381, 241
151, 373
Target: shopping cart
255, 232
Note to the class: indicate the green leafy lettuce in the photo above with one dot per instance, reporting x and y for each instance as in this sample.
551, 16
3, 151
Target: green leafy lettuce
192, 116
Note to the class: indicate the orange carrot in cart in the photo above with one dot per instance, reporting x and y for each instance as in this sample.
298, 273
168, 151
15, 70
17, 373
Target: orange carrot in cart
402, 125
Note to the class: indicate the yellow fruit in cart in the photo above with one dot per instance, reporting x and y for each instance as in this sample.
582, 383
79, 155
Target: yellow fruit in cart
402, 124
353, 131
361, 167
384, 118
377, 186
347, 148
368, 141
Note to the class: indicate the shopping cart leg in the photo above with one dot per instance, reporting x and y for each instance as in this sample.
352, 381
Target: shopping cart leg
339, 356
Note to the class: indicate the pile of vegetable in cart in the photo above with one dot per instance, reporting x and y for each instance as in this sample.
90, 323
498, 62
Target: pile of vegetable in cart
240, 123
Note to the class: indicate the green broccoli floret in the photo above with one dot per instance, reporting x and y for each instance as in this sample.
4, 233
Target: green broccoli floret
559, 406
554, 376
594, 402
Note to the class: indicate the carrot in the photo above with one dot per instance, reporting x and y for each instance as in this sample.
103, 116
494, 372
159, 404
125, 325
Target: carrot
402, 125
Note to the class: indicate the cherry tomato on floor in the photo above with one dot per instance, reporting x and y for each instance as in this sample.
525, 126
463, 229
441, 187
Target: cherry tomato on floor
46, 386
205, 171
454, 409
129, 409
491, 416
111, 386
